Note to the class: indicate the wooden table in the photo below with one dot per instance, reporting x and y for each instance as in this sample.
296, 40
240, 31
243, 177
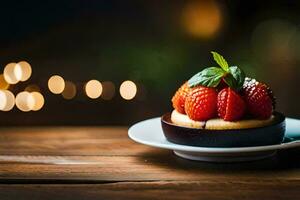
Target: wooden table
101, 162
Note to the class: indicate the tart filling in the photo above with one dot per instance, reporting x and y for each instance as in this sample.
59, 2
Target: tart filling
218, 123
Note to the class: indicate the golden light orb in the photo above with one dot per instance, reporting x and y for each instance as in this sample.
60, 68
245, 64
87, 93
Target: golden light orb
11, 73
56, 84
9, 100
2, 100
128, 90
25, 101
69, 91
38, 101
93, 89
3, 84
18, 72
25, 70
202, 18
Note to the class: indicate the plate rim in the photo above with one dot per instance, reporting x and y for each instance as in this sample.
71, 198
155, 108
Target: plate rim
179, 147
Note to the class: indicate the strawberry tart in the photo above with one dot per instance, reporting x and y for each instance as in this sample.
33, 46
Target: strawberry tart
220, 106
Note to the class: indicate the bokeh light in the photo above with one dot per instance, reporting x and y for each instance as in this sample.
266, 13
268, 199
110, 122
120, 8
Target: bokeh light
202, 18
56, 84
10, 100
7, 100
128, 90
69, 91
2, 100
25, 70
3, 84
11, 73
25, 101
93, 89
109, 90
18, 72
38, 101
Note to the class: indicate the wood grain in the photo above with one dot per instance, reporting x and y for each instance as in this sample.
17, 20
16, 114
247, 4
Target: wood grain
135, 168
91, 162
155, 190
67, 141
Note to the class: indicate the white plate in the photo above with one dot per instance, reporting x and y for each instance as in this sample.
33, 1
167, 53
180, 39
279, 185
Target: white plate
149, 132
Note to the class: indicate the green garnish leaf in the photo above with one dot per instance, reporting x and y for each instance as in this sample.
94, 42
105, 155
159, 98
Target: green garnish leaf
238, 75
235, 78
221, 61
209, 77
230, 81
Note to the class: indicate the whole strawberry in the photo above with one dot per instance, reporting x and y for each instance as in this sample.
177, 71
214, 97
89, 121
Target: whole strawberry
259, 98
231, 106
178, 99
201, 103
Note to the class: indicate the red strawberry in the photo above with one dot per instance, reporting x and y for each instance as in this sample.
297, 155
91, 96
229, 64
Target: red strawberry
178, 99
231, 106
259, 98
201, 103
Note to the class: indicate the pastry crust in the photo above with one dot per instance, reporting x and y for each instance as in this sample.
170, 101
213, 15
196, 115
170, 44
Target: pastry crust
218, 123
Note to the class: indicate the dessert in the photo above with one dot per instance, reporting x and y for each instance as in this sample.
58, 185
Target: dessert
222, 100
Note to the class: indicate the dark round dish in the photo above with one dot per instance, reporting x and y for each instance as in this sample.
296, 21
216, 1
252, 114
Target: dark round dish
267, 135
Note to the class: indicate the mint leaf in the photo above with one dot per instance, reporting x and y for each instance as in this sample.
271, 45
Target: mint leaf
238, 75
230, 81
209, 77
221, 61
235, 78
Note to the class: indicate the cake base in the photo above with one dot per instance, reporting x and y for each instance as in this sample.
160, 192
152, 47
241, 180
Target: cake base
218, 123
248, 137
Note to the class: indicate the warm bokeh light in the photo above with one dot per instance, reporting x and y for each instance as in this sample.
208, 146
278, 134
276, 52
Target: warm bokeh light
109, 90
2, 100
32, 88
56, 84
128, 90
69, 91
38, 101
3, 84
10, 100
25, 101
7, 100
18, 72
25, 70
93, 89
11, 73
202, 18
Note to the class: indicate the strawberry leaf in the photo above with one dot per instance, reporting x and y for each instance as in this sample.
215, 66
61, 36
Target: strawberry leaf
235, 78
238, 75
209, 77
230, 81
221, 61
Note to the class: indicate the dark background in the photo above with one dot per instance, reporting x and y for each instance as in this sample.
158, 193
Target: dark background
148, 42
